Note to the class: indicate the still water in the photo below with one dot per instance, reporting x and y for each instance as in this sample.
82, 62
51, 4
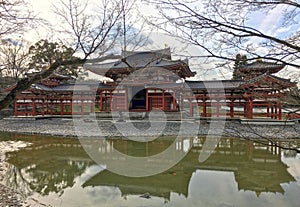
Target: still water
58, 172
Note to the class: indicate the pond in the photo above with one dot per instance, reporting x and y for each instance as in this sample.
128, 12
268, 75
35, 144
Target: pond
59, 172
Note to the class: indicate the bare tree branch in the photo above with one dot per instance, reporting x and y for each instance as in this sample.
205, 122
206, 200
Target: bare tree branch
223, 28
15, 17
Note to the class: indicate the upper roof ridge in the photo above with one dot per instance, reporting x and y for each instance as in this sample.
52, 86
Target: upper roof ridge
166, 52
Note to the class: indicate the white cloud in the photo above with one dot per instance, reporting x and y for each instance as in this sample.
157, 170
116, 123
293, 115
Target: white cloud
272, 20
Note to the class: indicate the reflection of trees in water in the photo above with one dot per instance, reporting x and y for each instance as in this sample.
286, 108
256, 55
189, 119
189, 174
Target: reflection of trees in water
289, 153
15, 179
45, 169
53, 166
289, 146
266, 135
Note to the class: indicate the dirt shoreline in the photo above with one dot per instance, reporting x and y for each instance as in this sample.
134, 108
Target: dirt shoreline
9, 197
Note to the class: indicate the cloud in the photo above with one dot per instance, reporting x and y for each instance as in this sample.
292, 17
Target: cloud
272, 21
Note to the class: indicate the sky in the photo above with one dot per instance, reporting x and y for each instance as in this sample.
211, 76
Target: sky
269, 23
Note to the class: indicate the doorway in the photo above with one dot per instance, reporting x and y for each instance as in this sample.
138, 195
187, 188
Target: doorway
138, 101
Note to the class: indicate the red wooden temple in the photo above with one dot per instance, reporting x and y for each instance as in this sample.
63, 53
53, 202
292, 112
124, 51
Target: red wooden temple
144, 81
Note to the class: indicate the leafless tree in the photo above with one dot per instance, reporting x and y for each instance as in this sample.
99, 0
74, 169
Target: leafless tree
92, 31
15, 16
91, 28
224, 28
127, 32
14, 58
90, 34
132, 27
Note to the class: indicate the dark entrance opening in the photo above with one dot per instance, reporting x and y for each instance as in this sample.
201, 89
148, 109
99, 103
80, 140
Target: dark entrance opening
139, 99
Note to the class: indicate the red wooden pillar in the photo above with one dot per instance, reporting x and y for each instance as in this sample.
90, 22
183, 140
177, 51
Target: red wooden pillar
275, 111
245, 109
181, 107
16, 108
110, 101
104, 102
71, 106
100, 102
163, 100
43, 107
231, 104
51, 107
82, 106
107, 102
204, 113
174, 101
147, 100
191, 108
232, 108
250, 109
272, 111
218, 108
280, 111
47, 107
92, 106
26, 109
61, 107
33, 113
125, 99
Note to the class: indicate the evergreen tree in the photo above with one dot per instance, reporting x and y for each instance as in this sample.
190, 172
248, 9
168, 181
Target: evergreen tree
239, 61
44, 53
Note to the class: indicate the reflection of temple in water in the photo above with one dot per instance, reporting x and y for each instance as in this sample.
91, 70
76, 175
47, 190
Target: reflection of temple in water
256, 167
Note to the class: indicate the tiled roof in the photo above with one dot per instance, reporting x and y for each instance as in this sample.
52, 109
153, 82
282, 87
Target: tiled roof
281, 81
279, 78
41, 87
80, 87
258, 65
137, 60
163, 53
71, 87
136, 64
165, 85
53, 75
214, 84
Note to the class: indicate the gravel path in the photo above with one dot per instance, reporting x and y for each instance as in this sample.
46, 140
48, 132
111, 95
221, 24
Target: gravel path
108, 128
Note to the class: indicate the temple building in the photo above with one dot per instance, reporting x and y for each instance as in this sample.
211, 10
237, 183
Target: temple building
152, 80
